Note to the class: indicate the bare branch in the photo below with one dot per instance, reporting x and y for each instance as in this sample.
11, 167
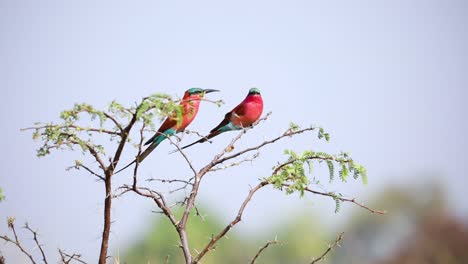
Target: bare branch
334, 196
353, 200
236, 220
74, 256
330, 248
184, 155
93, 152
157, 197
233, 164
260, 251
288, 133
11, 225
79, 165
26, 226
117, 124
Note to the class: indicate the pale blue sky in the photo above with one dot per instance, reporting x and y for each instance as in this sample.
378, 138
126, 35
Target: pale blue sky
387, 79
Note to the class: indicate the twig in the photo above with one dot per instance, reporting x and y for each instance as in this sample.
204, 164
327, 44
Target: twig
169, 181
236, 220
352, 200
184, 155
117, 124
233, 164
16, 242
77, 166
288, 133
260, 251
74, 256
93, 152
330, 248
78, 129
26, 226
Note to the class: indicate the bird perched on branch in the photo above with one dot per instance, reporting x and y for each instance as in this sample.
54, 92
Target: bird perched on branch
190, 104
242, 116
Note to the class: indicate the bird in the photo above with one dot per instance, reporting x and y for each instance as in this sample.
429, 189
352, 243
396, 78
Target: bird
190, 104
242, 116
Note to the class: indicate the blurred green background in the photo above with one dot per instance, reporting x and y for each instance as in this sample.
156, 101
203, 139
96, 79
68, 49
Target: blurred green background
418, 228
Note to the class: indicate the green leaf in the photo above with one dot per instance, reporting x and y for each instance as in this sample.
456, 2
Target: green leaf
294, 126
344, 172
331, 170
2, 197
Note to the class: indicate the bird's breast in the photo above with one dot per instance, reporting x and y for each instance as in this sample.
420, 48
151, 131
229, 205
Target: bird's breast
252, 112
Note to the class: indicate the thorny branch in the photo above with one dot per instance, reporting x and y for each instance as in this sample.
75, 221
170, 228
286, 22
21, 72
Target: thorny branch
26, 226
330, 248
260, 251
236, 220
67, 258
79, 165
16, 241
352, 200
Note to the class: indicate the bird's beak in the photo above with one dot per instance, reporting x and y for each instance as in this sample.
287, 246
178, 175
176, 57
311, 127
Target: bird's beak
210, 90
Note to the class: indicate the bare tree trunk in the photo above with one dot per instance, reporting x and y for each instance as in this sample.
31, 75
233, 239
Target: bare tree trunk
107, 221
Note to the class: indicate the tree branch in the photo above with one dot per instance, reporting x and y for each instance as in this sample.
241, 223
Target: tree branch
260, 251
26, 226
330, 248
75, 257
288, 133
353, 200
117, 124
236, 220
77, 128
11, 225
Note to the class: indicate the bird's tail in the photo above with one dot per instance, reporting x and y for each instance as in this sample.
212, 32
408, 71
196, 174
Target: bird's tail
141, 157
201, 140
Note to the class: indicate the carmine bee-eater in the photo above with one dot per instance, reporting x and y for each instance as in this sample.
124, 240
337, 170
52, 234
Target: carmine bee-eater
242, 116
190, 104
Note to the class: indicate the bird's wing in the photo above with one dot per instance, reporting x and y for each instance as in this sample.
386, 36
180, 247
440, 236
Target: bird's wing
168, 123
237, 111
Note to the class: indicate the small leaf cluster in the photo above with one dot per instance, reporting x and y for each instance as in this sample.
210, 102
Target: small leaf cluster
2, 197
161, 104
291, 175
72, 115
347, 166
61, 137
337, 198
323, 134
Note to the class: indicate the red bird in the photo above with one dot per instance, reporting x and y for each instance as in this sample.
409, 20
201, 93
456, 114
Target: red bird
190, 104
243, 115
